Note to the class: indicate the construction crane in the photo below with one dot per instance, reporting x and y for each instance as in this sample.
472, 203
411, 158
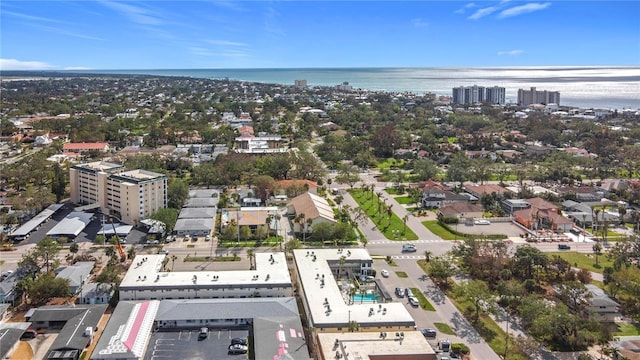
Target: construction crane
123, 256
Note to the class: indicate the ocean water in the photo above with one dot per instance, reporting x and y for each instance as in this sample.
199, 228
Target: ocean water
588, 87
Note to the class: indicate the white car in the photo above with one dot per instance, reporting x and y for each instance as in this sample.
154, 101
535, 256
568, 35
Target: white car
482, 222
384, 273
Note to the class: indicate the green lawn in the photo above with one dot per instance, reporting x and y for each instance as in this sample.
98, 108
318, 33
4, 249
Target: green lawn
389, 163
391, 191
444, 328
401, 274
584, 261
404, 200
625, 329
424, 302
391, 227
438, 230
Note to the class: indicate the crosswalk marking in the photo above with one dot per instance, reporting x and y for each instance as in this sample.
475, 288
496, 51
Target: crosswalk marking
408, 257
402, 242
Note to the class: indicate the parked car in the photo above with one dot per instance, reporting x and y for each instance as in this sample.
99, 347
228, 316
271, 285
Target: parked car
429, 333
237, 349
409, 248
564, 247
163, 251
207, 238
482, 222
204, 332
384, 273
241, 341
414, 301
400, 292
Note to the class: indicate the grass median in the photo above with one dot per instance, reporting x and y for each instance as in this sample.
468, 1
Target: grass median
392, 227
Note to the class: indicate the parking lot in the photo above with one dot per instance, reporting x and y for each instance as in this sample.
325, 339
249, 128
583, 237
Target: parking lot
186, 345
87, 235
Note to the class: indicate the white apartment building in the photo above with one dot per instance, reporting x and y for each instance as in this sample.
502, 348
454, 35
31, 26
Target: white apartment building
533, 96
130, 196
87, 180
325, 299
146, 280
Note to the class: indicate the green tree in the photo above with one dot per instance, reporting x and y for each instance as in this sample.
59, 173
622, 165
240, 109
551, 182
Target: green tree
58, 183
109, 275
347, 174
168, 216
477, 292
425, 169
44, 254
74, 248
440, 270
47, 286
322, 231
177, 193
458, 169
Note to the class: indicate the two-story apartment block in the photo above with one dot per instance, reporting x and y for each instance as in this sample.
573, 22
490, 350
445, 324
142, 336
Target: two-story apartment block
264, 144
146, 280
131, 196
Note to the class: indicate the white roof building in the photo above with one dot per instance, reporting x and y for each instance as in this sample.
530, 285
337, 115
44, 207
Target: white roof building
324, 299
146, 280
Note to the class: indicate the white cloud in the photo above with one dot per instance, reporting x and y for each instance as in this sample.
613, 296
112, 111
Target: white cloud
419, 23
510, 52
136, 14
480, 13
31, 17
14, 64
523, 9
225, 43
464, 8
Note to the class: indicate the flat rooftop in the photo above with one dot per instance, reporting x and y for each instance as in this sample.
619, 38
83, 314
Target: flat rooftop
367, 345
146, 272
326, 303
140, 174
99, 166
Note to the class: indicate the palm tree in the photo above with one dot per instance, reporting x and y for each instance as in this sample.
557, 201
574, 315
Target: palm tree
268, 224
595, 212
597, 248
250, 255
427, 255
341, 261
307, 227
405, 218
173, 261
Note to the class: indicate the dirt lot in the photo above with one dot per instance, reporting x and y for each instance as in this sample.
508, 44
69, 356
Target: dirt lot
506, 228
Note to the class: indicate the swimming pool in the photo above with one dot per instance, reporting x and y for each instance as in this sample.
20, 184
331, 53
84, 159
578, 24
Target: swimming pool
366, 297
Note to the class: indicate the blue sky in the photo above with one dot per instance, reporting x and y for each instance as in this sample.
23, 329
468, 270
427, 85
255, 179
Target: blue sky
161, 34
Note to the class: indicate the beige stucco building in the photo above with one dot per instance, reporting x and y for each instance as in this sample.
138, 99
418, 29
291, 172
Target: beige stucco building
130, 196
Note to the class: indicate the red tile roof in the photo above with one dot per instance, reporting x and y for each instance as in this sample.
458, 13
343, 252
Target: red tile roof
84, 146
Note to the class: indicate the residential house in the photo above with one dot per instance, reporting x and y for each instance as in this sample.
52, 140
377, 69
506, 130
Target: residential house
542, 215
94, 293
461, 211
295, 187
601, 306
434, 197
81, 148
486, 189
315, 208
76, 274
75, 326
